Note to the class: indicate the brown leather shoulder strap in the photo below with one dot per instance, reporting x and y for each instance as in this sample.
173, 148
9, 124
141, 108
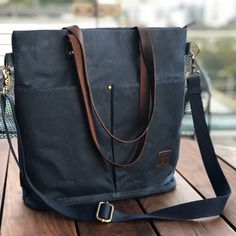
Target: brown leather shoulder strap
149, 64
77, 43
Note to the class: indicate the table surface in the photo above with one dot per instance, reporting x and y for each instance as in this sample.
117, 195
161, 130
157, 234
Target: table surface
192, 184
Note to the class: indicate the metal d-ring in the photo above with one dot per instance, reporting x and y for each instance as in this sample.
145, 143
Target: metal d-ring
194, 49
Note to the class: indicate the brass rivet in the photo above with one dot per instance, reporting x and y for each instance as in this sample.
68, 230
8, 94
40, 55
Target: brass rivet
109, 87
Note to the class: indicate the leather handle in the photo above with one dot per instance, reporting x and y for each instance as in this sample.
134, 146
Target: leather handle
146, 62
147, 88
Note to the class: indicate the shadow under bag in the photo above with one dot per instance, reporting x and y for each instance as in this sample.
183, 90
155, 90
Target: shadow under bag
98, 115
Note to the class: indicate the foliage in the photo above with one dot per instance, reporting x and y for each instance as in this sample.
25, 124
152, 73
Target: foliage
55, 1
219, 59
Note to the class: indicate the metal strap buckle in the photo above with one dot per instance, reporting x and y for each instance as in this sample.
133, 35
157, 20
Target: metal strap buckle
104, 220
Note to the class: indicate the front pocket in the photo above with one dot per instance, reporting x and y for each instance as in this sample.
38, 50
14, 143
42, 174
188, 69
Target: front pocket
125, 119
126, 122
163, 135
61, 158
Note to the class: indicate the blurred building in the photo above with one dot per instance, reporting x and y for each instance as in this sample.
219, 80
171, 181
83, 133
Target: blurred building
213, 13
219, 13
161, 12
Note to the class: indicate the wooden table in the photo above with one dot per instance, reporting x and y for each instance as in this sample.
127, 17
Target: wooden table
192, 184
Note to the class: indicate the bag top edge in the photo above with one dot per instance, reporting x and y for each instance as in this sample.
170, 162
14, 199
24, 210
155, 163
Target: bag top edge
108, 28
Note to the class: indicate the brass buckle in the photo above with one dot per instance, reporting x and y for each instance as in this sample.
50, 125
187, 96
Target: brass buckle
111, 212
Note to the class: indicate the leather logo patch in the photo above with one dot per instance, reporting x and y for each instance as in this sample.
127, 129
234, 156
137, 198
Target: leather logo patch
163, 158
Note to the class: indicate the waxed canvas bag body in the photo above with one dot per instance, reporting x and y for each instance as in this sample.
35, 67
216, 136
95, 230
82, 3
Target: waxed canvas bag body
98, 113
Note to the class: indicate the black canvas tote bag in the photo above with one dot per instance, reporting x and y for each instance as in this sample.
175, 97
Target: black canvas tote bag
98, 115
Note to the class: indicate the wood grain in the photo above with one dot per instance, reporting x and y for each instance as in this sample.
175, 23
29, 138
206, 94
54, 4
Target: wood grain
228, 154
4, 156
191, 167
184, 193
130, 228
19, 220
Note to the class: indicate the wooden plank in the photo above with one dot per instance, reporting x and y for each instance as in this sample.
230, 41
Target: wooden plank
184, 193
228, 154
20, 220
4, 152
129, 228
191, 167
